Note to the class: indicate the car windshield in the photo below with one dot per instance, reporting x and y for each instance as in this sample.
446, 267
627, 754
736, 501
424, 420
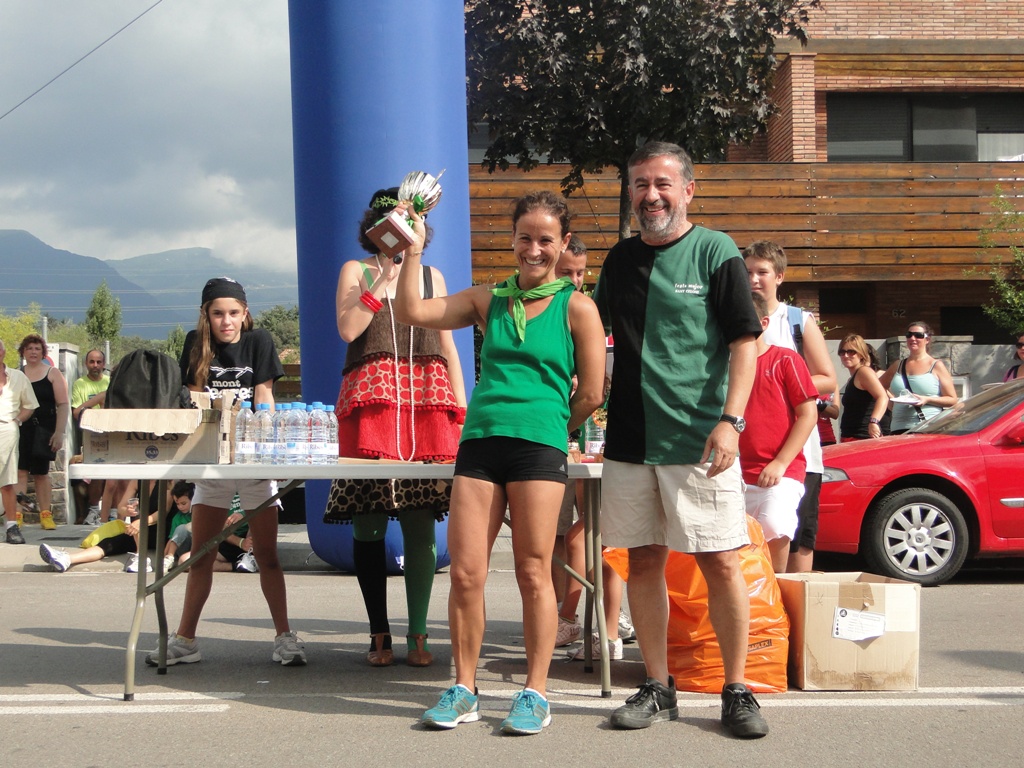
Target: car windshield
975, 413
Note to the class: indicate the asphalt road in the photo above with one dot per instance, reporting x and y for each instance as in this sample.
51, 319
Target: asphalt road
61, 682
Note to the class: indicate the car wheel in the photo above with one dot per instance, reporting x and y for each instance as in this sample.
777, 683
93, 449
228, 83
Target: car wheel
915, 534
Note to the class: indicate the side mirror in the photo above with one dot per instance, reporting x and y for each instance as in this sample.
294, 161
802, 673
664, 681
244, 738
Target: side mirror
1015, 436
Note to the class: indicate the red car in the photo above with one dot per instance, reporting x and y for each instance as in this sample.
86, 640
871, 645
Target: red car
917, 505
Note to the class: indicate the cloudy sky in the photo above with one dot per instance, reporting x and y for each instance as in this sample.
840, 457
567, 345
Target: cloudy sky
176, 133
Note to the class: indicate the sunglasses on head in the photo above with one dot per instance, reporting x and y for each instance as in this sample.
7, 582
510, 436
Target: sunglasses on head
847, 352
917, 335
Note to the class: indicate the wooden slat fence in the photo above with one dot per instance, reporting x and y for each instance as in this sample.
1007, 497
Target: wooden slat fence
837, 221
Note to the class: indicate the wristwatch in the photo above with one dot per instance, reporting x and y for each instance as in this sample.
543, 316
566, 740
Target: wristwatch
873, 420
738, 422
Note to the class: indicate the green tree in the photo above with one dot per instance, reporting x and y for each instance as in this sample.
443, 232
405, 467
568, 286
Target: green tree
122, 345
14, 328
70, 332
283, 325
103, 317
175, 342
1006, 231
586, 83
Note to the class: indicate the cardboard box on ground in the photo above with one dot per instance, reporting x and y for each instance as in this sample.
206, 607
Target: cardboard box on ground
201, 435
852, 631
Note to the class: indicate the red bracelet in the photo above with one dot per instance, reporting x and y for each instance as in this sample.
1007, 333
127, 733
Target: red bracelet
372, 302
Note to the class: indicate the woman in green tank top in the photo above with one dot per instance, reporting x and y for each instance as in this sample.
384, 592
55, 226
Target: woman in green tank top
538, 331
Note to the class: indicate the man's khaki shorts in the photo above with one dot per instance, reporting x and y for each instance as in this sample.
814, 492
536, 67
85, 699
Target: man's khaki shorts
675, 505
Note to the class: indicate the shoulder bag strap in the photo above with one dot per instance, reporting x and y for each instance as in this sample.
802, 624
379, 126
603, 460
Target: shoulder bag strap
906, 383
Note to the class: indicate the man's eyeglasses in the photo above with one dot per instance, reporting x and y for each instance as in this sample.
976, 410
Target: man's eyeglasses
1020, 345
917, 335
843, 352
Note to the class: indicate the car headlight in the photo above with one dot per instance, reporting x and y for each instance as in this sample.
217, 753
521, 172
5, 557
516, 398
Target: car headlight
833, 475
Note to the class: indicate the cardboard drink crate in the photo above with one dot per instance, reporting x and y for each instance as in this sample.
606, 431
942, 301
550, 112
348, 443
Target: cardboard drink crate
157, 436
852, 631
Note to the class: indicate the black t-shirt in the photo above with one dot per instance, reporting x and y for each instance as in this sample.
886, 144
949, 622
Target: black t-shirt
240, 366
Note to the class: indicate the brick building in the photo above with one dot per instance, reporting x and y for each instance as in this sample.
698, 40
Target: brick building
896, 126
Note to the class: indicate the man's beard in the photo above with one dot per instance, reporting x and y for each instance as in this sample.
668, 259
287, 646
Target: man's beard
662, 226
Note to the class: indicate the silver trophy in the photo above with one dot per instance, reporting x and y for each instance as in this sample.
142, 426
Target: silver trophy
393, 234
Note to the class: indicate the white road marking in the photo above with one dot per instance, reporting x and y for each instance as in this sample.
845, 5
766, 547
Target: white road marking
170, 702
127, 708
81, 698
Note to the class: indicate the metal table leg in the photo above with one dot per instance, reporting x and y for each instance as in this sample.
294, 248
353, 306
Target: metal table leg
595, 563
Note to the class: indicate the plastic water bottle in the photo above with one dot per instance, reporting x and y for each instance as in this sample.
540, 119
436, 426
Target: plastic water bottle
332, 436
297, 434
594, 438
318, 434
264, 434
280, 441
245, 442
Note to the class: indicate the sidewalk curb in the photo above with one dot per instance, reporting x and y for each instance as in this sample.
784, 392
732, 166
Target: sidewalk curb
293, 549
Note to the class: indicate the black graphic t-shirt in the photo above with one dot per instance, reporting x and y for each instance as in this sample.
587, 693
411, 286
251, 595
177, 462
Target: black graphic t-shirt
240, 366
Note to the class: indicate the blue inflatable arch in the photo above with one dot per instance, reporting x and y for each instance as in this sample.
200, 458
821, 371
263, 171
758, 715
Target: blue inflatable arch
378, 90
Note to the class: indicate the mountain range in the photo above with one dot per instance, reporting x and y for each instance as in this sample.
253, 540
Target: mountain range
157, 291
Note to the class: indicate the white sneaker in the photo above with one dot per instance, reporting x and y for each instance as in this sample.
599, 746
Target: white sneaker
247, 563
614, 647
168, 562
179, 651
568, 632
288, 650
93, 518
626, 632
132, 566
58, 559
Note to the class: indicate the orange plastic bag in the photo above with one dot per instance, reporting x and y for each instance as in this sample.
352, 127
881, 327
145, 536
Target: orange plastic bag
694, 657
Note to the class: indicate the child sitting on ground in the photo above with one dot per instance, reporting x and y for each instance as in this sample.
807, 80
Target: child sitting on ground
780, 414
180, 542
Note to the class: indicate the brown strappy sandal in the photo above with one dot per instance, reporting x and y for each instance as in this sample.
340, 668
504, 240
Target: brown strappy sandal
379, 656
419, 656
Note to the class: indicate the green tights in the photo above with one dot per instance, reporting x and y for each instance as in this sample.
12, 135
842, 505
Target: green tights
420, 562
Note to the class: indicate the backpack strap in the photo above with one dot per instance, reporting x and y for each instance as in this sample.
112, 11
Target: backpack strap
796, 322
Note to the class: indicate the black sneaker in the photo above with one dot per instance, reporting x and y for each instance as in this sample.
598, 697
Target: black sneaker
14, 535
741, 714
653, 703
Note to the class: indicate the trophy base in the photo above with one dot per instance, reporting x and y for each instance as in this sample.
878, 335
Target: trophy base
392, 234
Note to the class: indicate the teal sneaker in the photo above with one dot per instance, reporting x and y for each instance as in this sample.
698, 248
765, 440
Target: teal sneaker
530, 712
457, 705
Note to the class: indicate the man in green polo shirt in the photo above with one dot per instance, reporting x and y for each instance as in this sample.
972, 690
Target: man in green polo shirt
677, 300
89, 391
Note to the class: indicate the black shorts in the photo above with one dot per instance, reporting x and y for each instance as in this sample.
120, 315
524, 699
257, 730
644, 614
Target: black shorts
117, 545
502, 460
26, 463
807, 513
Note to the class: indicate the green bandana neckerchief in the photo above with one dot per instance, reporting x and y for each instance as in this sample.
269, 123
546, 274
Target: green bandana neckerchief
518, 294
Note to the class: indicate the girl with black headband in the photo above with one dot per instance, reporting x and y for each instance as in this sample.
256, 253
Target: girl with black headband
226, 356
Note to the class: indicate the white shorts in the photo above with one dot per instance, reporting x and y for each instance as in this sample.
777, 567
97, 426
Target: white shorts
674, 505
775, 508
219, 493
566, 515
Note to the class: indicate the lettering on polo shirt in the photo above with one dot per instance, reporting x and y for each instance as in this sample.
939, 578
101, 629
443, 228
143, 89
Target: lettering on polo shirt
691, 289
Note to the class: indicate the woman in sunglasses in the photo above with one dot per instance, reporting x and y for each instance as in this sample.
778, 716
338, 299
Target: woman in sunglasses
864, 399
920, 385
1015, 371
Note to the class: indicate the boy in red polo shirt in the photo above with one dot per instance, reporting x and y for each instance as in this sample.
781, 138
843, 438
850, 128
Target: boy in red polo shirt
780, 414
